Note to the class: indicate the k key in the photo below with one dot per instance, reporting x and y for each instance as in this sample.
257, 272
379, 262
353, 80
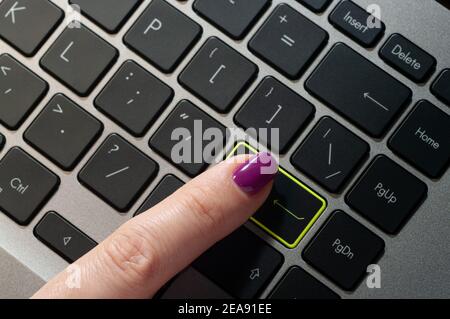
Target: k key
26, 24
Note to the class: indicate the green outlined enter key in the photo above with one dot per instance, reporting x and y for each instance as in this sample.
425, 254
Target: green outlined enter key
291, 208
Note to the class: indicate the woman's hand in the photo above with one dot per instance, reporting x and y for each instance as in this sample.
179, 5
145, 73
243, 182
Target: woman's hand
147, 251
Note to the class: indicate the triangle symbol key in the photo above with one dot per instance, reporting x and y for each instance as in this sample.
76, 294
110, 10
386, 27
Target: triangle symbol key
66, 240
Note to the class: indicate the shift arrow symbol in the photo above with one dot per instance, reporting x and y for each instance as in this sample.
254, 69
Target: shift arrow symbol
66, 240
367, 96
4, 69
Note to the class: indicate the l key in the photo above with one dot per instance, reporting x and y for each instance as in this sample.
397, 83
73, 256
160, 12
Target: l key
79, 58
356, 88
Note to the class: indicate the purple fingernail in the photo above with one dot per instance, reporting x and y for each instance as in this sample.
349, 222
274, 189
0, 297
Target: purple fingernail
256, 173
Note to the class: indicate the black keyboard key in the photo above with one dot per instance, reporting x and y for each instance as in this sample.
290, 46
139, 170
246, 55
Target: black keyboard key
163, 35
298, 284
25, 186
330, 154
343, 249
291, 208
134, 98
218, 74
275, 106
63, 132
186, 118
169, 185
441, 87
26, 24
387, 194
2, 141
79, 58
408, 58
317, 6
235, 18
357, 23
118, 173
62, 237
358, 89
20, 91
423, 139
110, 15
241, 264
181, 287
288, 41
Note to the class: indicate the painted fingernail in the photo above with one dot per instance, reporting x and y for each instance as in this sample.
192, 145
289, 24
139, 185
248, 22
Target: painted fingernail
256, 173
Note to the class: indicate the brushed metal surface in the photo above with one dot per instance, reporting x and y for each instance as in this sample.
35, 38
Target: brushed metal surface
416, 261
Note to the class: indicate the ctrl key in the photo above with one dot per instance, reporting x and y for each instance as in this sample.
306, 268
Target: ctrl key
25, 185
343, 249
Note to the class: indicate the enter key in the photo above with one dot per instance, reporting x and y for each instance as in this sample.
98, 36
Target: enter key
291, 208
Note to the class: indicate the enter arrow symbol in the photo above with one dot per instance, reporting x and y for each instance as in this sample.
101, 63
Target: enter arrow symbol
4, 70
66, 240
367, 96
276, 202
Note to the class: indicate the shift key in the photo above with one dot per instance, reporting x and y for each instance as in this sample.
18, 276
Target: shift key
359, 90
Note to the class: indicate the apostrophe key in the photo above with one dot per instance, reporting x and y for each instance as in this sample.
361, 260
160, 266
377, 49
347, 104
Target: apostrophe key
291, 208
185, 118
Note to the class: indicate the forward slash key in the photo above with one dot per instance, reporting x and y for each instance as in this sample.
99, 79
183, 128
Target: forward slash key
117, 172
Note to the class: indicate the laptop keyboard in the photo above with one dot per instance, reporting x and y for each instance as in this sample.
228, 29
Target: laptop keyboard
385, 193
